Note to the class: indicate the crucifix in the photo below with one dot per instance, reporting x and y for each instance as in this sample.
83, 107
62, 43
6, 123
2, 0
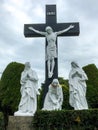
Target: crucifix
50, 30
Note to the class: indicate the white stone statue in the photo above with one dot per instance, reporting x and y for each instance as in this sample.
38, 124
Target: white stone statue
29, 91
54, 97
77, 87
51, 51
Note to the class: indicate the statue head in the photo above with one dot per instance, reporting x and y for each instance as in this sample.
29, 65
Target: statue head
74, 64
55, 83
27, 65
48, 29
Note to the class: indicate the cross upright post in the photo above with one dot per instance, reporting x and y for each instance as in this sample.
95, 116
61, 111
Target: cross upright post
51, 20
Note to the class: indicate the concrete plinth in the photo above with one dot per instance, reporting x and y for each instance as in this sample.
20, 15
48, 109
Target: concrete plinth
20, 123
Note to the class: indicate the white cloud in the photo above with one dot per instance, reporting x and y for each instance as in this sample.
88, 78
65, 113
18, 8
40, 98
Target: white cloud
15, 47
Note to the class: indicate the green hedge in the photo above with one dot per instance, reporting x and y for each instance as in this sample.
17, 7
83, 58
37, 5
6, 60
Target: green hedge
1, 121
67, 119
10, 87
92, 85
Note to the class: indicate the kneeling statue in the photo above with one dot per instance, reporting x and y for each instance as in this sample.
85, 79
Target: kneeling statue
54, 97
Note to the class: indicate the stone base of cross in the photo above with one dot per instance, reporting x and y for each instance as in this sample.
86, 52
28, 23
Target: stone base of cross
50, 31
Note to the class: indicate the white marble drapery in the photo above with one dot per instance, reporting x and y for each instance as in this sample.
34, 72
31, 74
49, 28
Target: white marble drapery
54, 97
29, 91
77, 87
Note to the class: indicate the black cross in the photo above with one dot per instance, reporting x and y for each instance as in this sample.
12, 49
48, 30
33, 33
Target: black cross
51, 20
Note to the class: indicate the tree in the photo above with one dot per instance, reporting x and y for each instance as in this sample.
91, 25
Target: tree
92, 73
10, 87
92, 85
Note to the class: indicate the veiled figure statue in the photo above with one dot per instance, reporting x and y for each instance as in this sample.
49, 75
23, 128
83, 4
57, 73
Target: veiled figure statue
54, 97
29, 91
77, 87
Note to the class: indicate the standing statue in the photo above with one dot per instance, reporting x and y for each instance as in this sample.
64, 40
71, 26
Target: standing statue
51, 51
77, 87
54, 97
29, 91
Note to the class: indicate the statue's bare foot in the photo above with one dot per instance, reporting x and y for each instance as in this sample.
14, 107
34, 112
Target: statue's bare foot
50, 75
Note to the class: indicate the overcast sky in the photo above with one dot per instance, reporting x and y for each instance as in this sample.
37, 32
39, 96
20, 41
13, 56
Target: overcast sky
15, 47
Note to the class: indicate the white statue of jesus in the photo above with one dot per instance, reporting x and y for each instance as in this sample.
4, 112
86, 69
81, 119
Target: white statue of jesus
51, 51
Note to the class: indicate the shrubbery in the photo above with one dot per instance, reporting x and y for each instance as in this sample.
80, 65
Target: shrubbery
92, 85
10, 87
1, 121
65, 88
66, 119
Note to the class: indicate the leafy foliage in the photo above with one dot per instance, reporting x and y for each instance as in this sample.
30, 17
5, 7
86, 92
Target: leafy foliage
65, 88
1, 121
10, 87
67, 119
92, 85
92, 73
40, 98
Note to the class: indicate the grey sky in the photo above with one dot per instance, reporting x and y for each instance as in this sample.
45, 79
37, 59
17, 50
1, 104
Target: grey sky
15, 47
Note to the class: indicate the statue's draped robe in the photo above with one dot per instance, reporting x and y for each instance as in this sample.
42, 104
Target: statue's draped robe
29, 89
53, 99
77, 89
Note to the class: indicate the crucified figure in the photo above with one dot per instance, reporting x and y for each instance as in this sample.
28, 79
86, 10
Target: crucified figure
51, 50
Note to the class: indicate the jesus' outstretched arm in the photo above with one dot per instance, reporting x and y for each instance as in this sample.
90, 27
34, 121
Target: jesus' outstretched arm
65, 30
37, 31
